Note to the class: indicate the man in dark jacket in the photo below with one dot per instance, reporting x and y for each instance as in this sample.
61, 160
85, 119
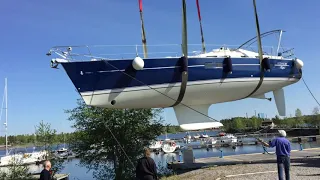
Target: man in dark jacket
45, 173
146, 168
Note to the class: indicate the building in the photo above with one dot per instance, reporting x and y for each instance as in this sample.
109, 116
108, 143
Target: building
267, 123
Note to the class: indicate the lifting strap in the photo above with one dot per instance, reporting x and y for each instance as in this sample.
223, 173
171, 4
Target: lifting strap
260, 51
184, 58
184, 80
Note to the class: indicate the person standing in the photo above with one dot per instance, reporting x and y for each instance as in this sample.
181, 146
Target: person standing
146, 168
283, 149
45, 173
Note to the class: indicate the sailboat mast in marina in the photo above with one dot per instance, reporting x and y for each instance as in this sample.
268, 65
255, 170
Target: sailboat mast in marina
6, 123
5, 100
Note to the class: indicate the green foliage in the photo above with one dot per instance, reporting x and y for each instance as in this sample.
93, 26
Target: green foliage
298, 113
164, 171
46, 139
241, 124
15, 171
26, 139
171, 129
94, 139
45, 135
315, 111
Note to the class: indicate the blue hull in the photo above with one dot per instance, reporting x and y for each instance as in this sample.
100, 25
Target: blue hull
100, 75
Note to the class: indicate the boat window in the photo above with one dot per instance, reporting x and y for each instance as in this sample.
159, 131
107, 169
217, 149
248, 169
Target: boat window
218, 64
210, 65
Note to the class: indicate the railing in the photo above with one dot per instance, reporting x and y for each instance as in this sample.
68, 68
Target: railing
113, 52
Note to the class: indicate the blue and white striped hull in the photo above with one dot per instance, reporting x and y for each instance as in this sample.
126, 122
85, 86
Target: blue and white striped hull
99, 83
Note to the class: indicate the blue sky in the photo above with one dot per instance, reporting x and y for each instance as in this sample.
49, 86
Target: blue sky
30, 28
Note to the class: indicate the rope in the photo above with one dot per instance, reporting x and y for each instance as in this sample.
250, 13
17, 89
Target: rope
310, 91
120, 146
106, 61
265, 151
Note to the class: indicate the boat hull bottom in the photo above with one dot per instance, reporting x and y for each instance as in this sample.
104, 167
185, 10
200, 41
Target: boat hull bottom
197, 93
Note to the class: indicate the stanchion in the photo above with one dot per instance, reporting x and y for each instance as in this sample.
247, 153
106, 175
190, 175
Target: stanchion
301, 147
221, 153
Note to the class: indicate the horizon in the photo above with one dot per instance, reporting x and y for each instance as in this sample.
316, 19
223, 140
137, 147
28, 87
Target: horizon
36, 92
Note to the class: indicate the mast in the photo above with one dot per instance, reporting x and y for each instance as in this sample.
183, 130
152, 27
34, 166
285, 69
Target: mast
202, 38
143, 33
6, 123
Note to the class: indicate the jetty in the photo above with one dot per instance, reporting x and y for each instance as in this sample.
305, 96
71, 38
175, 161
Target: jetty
56, 176
239, 159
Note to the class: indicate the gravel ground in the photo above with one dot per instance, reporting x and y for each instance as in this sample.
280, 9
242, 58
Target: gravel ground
308, 168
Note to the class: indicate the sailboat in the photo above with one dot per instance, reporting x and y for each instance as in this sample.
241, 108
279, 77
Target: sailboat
188, 83
19, 158
6, 159
169, 146
63, 152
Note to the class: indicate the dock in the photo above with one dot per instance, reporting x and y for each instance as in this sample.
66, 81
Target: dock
242, 159
56, 176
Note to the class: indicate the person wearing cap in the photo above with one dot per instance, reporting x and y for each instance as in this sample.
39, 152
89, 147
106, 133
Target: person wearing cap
283, 149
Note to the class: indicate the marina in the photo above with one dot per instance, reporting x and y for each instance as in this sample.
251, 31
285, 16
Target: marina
202, 155
122, 89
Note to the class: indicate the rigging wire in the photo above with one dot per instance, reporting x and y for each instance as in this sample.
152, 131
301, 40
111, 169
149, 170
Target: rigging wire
310, 91
106, 61
305, 83
114, 137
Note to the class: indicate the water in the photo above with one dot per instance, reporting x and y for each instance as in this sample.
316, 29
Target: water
181, 135
81, 173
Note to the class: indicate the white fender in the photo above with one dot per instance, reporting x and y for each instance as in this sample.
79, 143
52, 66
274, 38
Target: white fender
298, 63
138, 63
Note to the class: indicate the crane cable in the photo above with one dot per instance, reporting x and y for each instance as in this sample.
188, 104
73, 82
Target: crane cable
260, 51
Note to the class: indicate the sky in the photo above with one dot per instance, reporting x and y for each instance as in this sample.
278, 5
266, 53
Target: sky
28, 29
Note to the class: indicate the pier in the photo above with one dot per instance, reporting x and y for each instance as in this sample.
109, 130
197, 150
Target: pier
56, 176
242, 159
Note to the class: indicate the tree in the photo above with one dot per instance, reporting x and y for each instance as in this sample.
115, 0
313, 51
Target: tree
298, 113
315, 111
239, 125
46, 138
15, 171
256, 122
109, 141
277, 121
